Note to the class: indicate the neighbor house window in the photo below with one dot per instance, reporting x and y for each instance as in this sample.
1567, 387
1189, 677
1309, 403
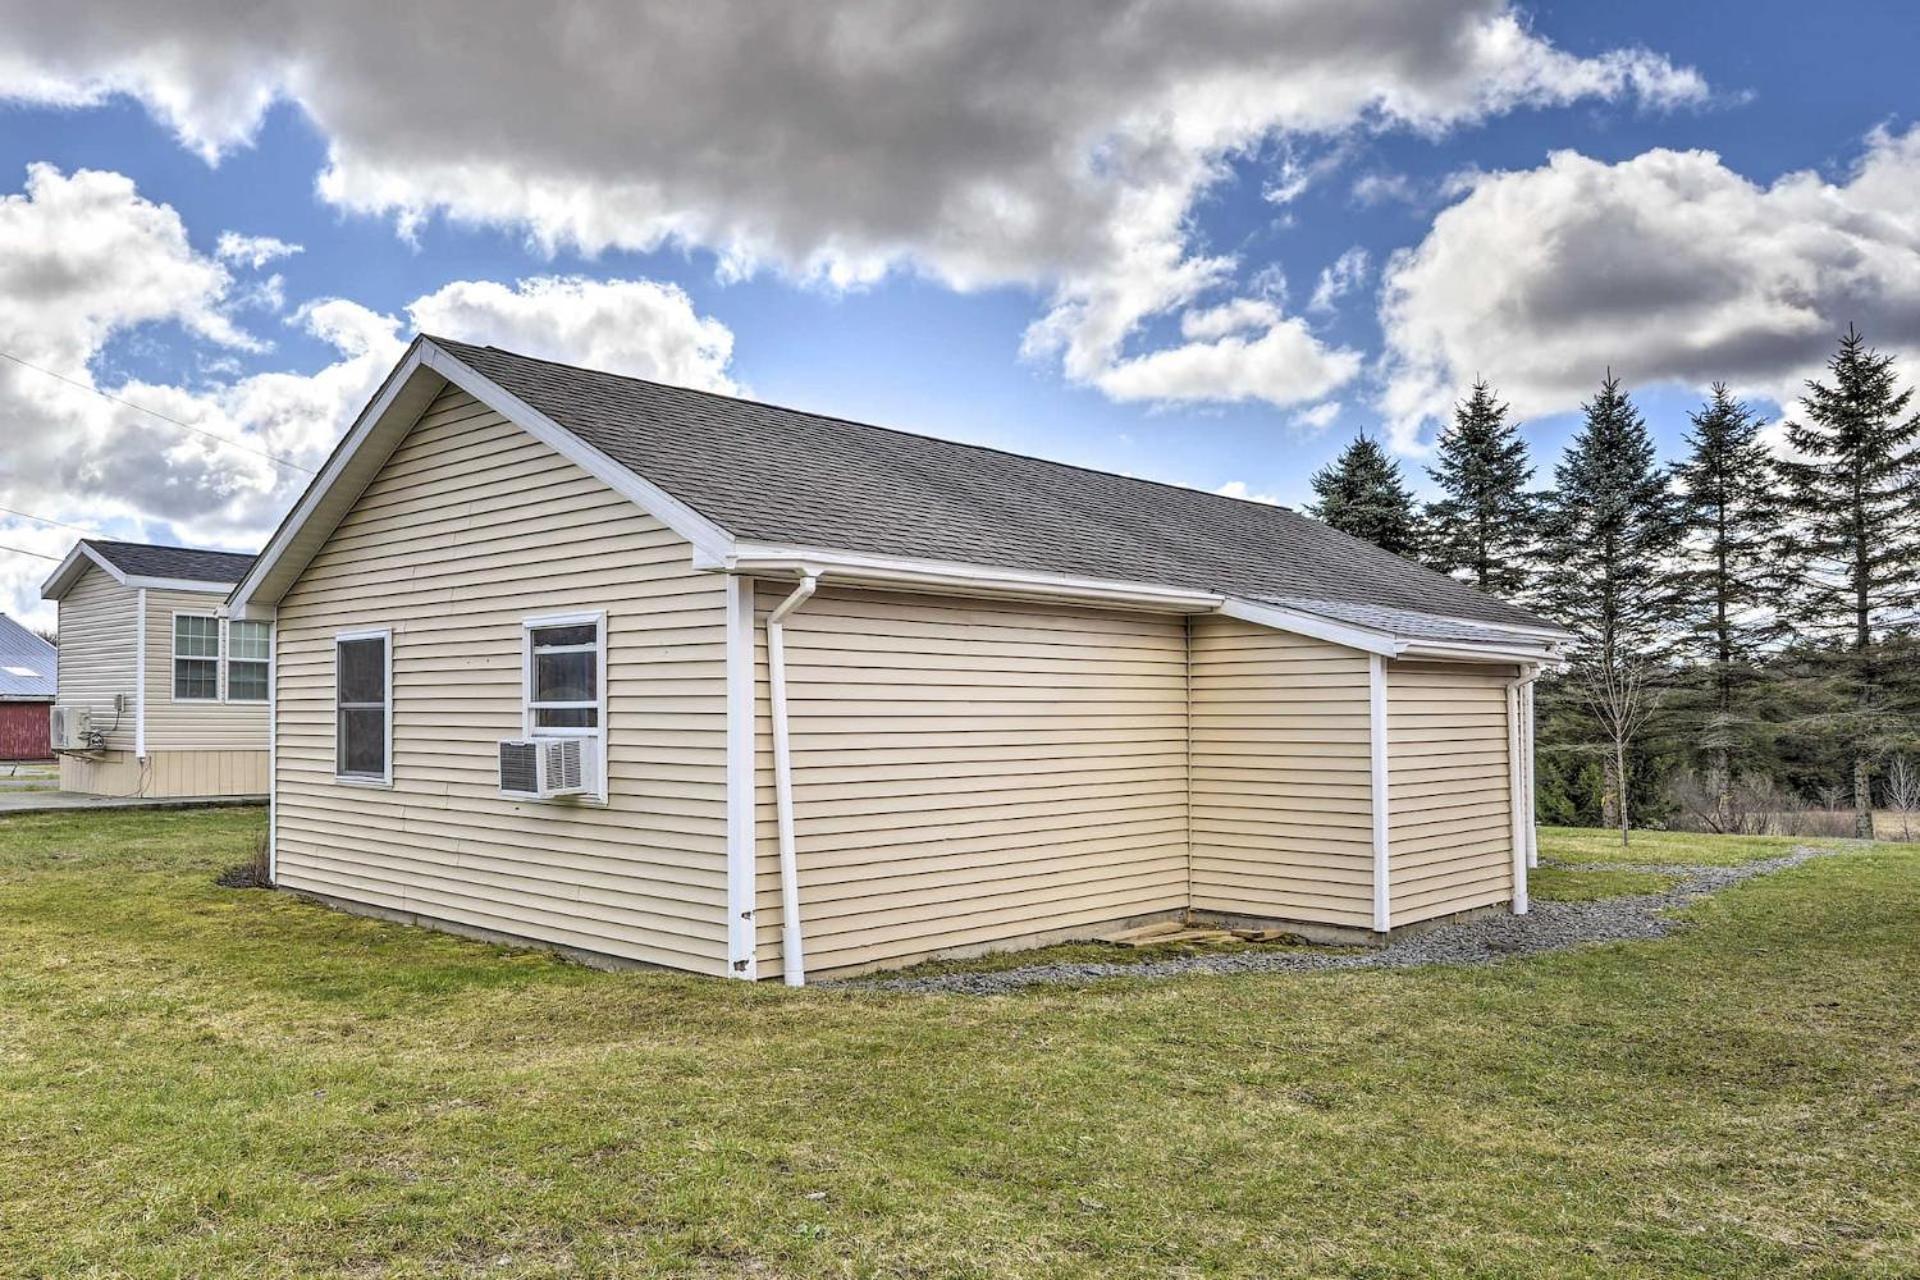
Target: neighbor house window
196, 658
363, 706
249, 645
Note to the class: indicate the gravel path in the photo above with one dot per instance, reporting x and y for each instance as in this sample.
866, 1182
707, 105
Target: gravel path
1549, 926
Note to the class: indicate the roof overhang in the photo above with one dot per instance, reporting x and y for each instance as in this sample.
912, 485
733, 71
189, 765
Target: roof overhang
84, 557
1516, 645
422, 374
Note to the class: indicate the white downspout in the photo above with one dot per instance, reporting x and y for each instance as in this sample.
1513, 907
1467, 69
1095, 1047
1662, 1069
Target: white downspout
1527, 759
1520, 785
140, 675
1380, 781
792, 942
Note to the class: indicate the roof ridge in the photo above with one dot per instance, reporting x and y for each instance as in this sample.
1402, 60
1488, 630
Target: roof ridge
872, 426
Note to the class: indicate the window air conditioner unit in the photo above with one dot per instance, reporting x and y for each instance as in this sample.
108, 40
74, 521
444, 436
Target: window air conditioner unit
540, 768
72, 728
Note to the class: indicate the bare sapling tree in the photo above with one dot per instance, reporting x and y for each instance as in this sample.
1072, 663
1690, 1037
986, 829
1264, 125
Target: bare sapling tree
1622, 695
1903, 792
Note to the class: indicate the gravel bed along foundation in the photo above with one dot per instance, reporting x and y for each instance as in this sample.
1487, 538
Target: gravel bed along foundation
1548, 926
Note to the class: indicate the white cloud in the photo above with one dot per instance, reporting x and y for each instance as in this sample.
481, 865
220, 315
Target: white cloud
623, 326
253, 251
1239, 489
1669, 267
1284, 365
1317, 418
1059, 146
1340, 277
85, 259
1237, 316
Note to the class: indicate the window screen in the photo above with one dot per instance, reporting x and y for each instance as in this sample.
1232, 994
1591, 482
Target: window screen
563, 676
248, 646
363, 705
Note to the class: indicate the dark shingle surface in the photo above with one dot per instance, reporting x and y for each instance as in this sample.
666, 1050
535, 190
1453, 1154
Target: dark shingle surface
147, 561
768, 474
26, 663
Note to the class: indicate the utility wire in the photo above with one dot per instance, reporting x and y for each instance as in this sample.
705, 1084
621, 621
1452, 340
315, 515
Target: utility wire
28, 515
22, 551
155, 413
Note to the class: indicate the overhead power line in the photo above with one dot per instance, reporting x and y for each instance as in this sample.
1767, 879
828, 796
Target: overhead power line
155, 413
28, 515
22, 551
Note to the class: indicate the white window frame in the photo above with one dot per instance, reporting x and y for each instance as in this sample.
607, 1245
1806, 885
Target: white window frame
598, 619
384, 780
174, 658
227, 660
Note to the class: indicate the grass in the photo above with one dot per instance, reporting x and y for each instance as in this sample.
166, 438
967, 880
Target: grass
206, 1082
1570, 844
1574, 884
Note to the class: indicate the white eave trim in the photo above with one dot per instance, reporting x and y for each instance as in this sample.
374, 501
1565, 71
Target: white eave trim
1313, 626
858, 569
83, 557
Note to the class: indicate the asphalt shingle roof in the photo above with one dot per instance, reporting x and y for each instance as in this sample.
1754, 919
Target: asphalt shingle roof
26, 664
768, 474
190, 563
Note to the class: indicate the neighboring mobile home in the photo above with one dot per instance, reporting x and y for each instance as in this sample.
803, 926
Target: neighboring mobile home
668, 677
163, 697
26, 693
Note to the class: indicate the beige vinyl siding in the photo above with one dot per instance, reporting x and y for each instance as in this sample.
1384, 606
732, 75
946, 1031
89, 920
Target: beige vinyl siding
96, 655
167, 774
471, 527
1282, 822
968, 772
195, 725
1450, 815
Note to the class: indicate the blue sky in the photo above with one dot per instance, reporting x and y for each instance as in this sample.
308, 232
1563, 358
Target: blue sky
933, 342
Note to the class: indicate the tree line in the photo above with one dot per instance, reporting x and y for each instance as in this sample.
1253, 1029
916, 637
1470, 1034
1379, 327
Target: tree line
1743, 620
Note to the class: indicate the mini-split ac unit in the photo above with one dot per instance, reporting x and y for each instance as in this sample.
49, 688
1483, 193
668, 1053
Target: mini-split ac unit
71, 728
540, 768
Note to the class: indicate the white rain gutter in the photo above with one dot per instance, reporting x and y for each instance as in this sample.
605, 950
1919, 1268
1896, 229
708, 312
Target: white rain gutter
140, 675
792, 942
1520, 787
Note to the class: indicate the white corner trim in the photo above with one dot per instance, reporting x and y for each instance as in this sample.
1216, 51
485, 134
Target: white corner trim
1380, 784
273, 756
140, 674
1312, 626
741, 836
1519, 784
708, 538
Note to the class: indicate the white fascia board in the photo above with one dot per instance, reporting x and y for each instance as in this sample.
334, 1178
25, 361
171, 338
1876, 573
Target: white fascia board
180, 584
1509, 628
78, 561
241, 600
708, 538
1462, 652
859, 569
1313, 626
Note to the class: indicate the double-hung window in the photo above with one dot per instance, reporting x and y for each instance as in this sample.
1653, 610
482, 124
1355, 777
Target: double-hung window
566, 680
363, 706
249, 646
196, 658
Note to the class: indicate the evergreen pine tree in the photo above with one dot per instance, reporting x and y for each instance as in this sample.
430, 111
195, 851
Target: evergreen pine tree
1856, 485
1732, 578
1482, 529
1361, 493
1609, 529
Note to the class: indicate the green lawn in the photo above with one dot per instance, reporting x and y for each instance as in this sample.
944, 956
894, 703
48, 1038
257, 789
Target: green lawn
1572, 884
1579, 844
205, 1082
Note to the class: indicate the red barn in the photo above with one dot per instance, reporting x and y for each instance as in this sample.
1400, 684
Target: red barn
27, 670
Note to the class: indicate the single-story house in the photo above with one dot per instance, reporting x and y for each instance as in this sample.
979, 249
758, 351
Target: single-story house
26, 693
669, 677
159, 695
